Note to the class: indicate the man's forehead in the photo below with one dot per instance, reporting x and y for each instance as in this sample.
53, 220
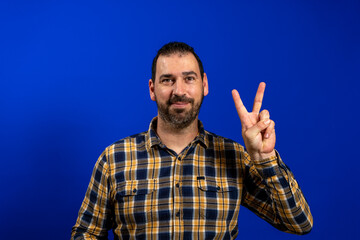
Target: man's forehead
177, 60
177, 55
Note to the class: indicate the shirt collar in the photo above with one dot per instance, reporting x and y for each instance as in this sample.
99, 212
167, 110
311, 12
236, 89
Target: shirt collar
152, 139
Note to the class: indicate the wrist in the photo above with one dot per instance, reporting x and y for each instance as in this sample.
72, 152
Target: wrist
262, 156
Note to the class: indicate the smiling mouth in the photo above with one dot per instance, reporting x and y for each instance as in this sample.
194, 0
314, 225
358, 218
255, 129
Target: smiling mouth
180, 101
179, 105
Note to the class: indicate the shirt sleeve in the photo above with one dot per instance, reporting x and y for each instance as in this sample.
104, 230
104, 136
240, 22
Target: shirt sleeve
272, 193
94, 219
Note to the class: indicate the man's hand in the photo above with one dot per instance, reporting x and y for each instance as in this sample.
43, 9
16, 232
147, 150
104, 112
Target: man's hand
257, 129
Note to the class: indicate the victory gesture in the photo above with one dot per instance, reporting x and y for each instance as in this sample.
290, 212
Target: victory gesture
257, 129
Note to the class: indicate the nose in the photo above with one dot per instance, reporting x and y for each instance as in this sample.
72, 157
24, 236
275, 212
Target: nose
179, 88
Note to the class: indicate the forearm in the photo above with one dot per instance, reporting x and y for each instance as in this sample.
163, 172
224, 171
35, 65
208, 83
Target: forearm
79, 234
94, 218
84, 231
284, 205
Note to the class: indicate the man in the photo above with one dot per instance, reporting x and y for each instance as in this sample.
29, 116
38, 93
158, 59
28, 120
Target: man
178, 181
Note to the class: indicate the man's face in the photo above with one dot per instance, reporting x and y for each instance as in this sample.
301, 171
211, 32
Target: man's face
178, 89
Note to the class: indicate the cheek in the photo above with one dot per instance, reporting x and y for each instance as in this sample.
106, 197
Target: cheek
196, 92
163, 94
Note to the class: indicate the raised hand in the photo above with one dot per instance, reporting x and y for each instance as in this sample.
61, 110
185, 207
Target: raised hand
257, 129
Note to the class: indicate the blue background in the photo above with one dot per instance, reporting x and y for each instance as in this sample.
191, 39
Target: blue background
74, 78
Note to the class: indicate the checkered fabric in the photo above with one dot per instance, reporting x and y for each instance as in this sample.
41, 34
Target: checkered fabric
143, 190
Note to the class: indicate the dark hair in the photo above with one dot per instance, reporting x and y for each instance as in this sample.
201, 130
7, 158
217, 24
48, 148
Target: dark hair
172, 48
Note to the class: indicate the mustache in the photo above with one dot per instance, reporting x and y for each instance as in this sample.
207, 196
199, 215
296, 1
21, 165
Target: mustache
176, 98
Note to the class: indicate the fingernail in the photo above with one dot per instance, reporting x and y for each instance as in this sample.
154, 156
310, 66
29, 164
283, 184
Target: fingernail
266, 135
267, 121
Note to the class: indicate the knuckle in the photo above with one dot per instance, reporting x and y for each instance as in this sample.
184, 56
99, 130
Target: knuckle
265, 113
247, 134
263, 125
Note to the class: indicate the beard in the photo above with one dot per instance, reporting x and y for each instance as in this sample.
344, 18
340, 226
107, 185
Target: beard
179, 118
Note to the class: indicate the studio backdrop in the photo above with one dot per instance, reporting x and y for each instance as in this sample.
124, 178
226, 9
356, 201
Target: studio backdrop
74, 79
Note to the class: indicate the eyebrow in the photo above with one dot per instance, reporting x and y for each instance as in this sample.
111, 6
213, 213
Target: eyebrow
183, 73
165, 76
189, 73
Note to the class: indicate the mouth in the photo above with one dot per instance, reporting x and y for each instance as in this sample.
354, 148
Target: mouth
180, 104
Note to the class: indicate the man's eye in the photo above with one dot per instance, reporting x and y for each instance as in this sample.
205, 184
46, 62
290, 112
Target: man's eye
190, 78
166, 80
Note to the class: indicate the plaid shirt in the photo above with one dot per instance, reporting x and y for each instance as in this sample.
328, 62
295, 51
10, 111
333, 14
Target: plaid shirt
143, 190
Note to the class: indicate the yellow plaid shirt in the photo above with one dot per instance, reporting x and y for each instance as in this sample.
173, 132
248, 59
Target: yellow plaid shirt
143, 190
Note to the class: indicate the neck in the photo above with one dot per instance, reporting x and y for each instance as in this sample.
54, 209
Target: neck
176, 139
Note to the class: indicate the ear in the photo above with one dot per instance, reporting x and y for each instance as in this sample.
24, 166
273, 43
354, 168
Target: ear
205, 85
152, 90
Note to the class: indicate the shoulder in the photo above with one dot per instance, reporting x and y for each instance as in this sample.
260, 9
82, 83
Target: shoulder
220, 141
133, 142
133, 138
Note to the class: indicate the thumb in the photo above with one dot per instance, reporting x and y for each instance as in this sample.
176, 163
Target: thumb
252, 132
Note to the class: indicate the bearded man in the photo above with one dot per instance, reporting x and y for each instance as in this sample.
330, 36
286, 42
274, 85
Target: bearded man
179, 181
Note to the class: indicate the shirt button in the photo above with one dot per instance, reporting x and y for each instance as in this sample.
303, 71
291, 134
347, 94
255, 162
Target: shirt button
134, 190
179, 158
177, 185
218, 188
178, 214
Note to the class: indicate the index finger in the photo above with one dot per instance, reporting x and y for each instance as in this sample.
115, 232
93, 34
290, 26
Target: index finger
259, 97
240, 108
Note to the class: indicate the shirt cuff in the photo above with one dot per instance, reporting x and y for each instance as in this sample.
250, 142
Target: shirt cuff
270, 167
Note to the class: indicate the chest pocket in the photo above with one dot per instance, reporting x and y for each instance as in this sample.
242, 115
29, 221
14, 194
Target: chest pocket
135, 201
218, 199
136, 187
211, 185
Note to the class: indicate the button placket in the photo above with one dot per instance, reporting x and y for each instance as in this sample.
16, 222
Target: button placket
177, 189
